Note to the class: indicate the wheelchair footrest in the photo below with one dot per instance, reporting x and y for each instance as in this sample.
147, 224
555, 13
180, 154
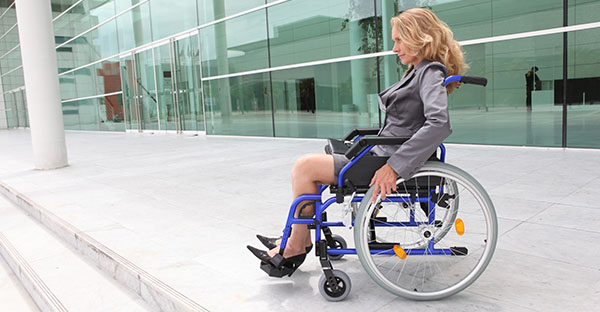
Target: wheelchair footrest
459, 251
272, 271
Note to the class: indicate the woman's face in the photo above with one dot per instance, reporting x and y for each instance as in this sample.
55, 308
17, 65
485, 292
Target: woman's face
406, 55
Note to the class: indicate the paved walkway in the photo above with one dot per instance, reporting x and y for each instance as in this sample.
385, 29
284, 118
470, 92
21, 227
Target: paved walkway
183, 209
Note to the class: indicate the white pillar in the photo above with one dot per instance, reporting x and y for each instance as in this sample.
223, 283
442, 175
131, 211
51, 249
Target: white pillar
36, 36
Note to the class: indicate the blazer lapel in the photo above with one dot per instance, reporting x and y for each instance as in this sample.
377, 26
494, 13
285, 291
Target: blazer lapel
400, 83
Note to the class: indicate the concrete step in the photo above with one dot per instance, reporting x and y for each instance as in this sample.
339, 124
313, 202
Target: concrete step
13, 296
54, 275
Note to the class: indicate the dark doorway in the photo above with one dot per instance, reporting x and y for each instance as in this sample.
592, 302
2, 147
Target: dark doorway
306, 94
580, 91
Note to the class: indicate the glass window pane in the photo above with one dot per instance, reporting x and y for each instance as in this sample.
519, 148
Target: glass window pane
583, 89
210, 10
583, 11
97, 44
11, 61
134, 27
303, 31
71, 115
171, 17
471, 19
83, 16
239, 106
235, 45
162, 59
511, 110
13, 80
68, 88
326, 101
122, 5
108, 77
85, 81
111, 113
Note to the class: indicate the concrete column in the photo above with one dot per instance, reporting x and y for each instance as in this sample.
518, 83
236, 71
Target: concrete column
224, 93
3, 116
390, 67
357, 68
36, 36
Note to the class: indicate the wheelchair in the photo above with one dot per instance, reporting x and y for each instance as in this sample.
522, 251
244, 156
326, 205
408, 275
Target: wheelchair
430, 239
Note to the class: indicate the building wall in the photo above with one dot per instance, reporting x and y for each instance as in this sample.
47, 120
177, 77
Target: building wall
120, 62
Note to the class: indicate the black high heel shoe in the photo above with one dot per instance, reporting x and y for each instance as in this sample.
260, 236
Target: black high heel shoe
278, 265
272, 242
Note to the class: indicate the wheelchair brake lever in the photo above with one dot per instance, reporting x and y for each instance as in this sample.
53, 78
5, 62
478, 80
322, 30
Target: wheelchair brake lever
347, 212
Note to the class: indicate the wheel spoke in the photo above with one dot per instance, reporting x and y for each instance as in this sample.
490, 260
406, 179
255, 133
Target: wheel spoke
429, 270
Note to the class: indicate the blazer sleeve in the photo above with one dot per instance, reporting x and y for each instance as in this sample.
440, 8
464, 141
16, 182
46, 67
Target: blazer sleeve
413, 153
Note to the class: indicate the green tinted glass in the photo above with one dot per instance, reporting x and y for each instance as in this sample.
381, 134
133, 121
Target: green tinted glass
518, 106
583, 92
239, 106
171, 17
134, 27
297, 34
111, 113
326, 101
235, 45
211, 10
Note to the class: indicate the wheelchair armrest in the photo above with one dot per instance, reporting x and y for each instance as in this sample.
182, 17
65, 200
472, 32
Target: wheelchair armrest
357, 147
361, 131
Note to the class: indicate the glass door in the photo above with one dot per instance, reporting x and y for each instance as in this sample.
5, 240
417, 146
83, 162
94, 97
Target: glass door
179, 85
129, 93
139, 91
187, 83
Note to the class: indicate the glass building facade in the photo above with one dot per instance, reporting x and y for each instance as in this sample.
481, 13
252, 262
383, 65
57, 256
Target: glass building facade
310, 68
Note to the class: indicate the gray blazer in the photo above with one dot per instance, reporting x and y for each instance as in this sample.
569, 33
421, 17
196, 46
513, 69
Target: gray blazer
416, 107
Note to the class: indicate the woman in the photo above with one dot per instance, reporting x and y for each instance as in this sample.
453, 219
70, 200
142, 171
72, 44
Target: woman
416, 106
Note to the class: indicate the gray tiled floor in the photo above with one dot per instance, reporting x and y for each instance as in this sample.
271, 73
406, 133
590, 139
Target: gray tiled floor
183, 208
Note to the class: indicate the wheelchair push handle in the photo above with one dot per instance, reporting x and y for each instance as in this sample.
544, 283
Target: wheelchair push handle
482, 81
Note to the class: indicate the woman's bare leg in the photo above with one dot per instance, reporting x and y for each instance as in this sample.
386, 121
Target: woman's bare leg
309, 171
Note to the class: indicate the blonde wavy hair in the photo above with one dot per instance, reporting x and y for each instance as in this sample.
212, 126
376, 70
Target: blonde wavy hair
424, 33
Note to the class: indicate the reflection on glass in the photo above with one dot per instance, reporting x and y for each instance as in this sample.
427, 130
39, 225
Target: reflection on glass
134, 27
499, 113
239, 106
327, 100
81, 115
303, 31
583, 92
82, 17
108, 77
111, 113
172, 17
187, 82
145, 89
11, 61
129, 94
162, 58
235, 45
210, 10
85, 80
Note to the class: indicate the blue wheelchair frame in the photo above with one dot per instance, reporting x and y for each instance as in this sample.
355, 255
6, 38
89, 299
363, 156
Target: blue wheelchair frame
320, 206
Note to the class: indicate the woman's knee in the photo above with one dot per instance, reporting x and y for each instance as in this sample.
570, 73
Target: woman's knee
303, 166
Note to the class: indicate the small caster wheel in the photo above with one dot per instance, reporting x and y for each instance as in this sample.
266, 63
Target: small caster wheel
340, 243
343, 283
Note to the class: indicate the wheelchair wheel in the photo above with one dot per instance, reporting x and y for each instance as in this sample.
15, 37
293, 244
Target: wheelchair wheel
432, 251
343, 283
340, 243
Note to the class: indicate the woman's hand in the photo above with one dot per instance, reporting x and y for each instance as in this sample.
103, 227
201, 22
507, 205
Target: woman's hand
384, 181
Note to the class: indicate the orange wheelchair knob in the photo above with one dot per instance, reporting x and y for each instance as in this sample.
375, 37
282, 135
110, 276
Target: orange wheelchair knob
400, 252
460, 226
